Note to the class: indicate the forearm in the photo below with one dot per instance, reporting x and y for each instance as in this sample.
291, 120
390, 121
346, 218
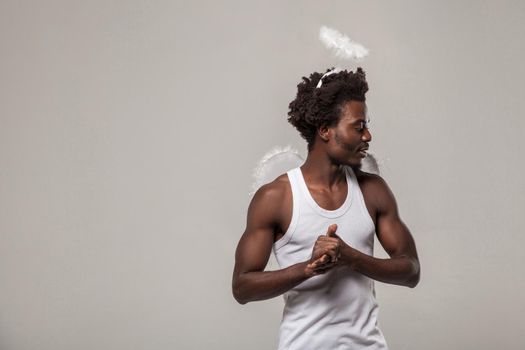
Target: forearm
402, 270
261, 285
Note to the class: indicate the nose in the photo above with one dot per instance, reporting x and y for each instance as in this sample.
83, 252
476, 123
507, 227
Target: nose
367, 136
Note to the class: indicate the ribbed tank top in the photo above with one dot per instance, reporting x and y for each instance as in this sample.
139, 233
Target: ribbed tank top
338, 309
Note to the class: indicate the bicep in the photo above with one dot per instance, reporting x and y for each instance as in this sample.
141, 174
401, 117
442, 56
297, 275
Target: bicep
253, 250
255, 244
392, 233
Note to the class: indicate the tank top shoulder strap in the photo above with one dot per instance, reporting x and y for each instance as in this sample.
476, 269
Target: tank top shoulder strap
293, 177
360, 199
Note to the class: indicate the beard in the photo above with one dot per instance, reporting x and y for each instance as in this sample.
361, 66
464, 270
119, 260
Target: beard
340, 142
348, 148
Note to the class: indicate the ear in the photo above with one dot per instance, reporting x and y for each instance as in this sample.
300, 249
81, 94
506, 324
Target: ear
324, 133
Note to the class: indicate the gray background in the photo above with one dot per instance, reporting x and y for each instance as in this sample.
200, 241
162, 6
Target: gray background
129, 130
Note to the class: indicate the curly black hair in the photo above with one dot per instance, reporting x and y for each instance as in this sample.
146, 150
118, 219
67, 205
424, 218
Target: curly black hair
314, 107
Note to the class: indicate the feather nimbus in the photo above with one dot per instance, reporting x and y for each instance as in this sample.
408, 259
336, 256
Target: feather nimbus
341, 45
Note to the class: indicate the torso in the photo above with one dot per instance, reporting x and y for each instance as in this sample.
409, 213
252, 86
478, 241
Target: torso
326, 200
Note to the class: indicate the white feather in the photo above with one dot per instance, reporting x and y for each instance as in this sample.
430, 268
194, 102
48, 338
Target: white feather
341, 45
370, 164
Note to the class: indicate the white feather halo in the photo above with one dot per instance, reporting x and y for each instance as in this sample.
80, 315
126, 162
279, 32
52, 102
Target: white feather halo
341, 45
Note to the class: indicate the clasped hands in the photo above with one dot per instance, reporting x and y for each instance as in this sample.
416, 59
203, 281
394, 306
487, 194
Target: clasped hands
328, 251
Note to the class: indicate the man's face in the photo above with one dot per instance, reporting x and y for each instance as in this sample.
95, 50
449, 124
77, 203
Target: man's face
350, 137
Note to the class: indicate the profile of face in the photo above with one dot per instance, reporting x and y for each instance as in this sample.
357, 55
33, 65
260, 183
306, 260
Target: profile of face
347, 141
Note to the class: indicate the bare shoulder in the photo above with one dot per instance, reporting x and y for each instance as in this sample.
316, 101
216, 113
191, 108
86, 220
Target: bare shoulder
369, 180
374, 189
273, 191
270, 198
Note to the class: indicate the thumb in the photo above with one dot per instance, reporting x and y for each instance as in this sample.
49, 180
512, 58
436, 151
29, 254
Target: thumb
331, 230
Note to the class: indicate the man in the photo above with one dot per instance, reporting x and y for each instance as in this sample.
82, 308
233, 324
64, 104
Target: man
320, 220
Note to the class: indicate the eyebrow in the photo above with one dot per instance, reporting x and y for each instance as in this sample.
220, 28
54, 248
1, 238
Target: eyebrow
361, 121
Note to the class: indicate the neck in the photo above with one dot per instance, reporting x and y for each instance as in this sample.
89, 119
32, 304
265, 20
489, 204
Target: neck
320, 170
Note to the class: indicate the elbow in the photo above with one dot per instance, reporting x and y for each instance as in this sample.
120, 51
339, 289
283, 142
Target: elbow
238, 295
413, 281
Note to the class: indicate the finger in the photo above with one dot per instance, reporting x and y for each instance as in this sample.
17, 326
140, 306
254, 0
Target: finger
320, 261
321, 268
322, 271
328, 239
331, 230
323, 259
326, 265
318, 264
331, 252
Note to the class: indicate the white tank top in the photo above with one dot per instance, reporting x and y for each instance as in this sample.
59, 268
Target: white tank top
336, 310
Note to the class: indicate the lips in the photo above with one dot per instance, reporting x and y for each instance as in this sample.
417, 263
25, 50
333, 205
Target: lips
362, 151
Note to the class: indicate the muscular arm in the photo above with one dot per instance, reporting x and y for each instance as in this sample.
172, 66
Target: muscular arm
250, 281
403, 266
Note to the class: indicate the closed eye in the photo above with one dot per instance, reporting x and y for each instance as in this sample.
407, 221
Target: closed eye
364, 125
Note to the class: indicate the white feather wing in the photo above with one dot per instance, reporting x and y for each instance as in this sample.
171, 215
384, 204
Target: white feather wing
371, 164
273, 164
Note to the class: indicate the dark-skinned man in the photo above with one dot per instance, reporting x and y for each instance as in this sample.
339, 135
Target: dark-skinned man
320, 220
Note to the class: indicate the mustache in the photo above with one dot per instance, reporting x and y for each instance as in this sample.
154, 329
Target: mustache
350, 148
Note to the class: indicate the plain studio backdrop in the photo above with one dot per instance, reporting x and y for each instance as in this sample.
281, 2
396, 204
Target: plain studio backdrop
129, 131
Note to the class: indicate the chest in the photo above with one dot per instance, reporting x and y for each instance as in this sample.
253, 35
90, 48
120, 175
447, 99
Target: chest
327, 200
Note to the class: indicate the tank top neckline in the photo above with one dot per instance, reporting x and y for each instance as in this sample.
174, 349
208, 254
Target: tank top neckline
322, 211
